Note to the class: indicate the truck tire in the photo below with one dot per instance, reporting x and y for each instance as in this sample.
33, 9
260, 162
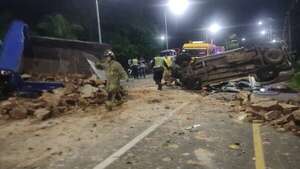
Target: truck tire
273, 56
192, 84
266, 74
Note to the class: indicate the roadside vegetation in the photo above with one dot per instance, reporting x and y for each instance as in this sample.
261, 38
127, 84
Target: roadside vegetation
133, 39
58, 26
294, 82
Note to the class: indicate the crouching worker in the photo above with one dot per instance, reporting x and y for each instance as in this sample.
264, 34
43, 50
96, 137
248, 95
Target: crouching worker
114, 74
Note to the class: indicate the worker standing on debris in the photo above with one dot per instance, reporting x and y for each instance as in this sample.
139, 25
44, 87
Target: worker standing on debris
158, 70
135, 68
114, 74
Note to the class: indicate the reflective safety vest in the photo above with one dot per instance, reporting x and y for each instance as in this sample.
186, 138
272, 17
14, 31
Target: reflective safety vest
135, 62
158, 62
168, 61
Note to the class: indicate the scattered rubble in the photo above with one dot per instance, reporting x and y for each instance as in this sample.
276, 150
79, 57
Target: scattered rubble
192, 128
282, 116
154, 101
297, 116
42, 114
235, 146
249, 103
239, 85
79, 91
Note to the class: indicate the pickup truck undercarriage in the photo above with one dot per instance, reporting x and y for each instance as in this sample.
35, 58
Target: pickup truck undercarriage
265, 63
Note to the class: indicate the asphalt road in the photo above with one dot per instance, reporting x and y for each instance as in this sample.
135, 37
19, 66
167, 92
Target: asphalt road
171, 129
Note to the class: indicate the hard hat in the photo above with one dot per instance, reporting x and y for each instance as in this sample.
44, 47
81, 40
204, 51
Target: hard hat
109, 53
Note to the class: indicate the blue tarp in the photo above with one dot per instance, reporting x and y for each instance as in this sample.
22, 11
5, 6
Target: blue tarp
13, 47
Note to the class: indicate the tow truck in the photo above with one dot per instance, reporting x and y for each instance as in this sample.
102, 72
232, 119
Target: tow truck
200, 49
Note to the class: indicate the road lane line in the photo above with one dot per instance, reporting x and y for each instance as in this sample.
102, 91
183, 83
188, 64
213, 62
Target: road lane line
258, 147
109, 160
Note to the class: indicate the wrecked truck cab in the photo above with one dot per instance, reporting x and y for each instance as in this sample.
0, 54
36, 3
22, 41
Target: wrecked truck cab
266, 63
13, 48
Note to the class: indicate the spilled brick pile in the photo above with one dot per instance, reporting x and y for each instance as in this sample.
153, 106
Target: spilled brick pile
282, 116
79, 91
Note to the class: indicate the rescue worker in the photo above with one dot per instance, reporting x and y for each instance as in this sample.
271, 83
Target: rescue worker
142, 69
135, 68
114, 74
158, 70
129, 70
168, 70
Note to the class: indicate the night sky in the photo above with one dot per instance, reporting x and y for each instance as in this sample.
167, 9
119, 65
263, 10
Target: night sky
237, 16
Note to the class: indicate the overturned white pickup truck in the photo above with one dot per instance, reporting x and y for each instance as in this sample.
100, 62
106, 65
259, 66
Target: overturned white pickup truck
266, 63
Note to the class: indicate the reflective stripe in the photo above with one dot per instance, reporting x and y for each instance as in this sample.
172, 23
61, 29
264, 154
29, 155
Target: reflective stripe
135, 62
158, 62
168, 61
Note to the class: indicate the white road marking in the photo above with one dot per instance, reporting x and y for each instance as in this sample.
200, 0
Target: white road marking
109, 160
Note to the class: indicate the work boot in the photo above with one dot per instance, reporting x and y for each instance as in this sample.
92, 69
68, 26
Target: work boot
108, 105
160, 87
119, 102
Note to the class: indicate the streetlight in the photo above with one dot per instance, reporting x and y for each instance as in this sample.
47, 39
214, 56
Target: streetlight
263, 32
162, 38
214, 28
260, 23
243, 39
177, 7
98, 21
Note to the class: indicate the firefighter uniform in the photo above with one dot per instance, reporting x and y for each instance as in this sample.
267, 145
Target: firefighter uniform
114, 74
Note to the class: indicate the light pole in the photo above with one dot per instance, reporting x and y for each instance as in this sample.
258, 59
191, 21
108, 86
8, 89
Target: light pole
166, 37
267, 31
263, 32
214, 29
177, 7
99, 23
162, 38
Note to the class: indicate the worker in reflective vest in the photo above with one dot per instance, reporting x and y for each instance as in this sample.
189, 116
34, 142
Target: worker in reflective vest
158, 70
135, 68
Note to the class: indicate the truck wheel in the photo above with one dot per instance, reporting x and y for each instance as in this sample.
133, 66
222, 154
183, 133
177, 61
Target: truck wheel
192, 84
265, 75
273, 56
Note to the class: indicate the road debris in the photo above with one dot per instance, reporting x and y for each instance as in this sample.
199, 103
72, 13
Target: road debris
42, 114
235, 146
79, 91
283, 116
154, 101
192, 128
